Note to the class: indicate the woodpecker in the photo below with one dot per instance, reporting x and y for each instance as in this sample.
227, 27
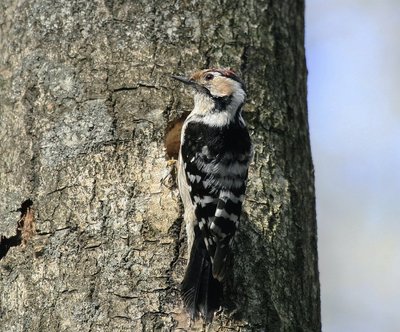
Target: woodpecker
213, 165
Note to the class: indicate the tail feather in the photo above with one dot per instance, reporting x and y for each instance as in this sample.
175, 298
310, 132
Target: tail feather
220, 259
201, 292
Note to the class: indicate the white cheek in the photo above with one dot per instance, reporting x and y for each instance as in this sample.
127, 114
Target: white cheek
216, 93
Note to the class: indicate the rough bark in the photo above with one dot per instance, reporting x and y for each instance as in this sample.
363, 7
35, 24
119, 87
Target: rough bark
90, 217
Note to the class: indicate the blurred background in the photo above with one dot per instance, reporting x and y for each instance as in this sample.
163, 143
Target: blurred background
353, 57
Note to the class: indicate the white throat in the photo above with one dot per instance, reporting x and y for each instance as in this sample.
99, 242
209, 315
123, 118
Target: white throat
204, 109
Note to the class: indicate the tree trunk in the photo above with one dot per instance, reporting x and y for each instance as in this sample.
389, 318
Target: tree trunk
90, 216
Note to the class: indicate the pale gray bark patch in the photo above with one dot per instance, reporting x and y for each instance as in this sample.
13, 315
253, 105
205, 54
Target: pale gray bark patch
85, 100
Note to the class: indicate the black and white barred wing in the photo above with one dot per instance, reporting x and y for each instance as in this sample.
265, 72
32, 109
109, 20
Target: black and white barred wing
229, 208
217, 185
204, 197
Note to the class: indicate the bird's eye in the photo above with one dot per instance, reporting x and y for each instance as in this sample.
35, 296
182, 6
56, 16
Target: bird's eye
209, 77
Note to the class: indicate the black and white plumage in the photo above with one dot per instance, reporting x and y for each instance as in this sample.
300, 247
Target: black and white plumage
212, 173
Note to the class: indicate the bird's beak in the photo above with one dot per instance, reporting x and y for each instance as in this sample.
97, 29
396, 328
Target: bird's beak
198, 87
184, 80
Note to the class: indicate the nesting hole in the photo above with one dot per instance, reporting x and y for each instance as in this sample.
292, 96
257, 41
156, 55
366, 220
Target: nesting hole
173, 136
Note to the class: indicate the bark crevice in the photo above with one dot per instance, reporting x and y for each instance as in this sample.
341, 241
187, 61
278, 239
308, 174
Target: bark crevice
24, 230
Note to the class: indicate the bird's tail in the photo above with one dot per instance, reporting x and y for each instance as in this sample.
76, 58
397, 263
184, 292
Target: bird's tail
201, 292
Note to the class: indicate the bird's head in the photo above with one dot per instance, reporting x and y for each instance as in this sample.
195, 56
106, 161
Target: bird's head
223, 86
